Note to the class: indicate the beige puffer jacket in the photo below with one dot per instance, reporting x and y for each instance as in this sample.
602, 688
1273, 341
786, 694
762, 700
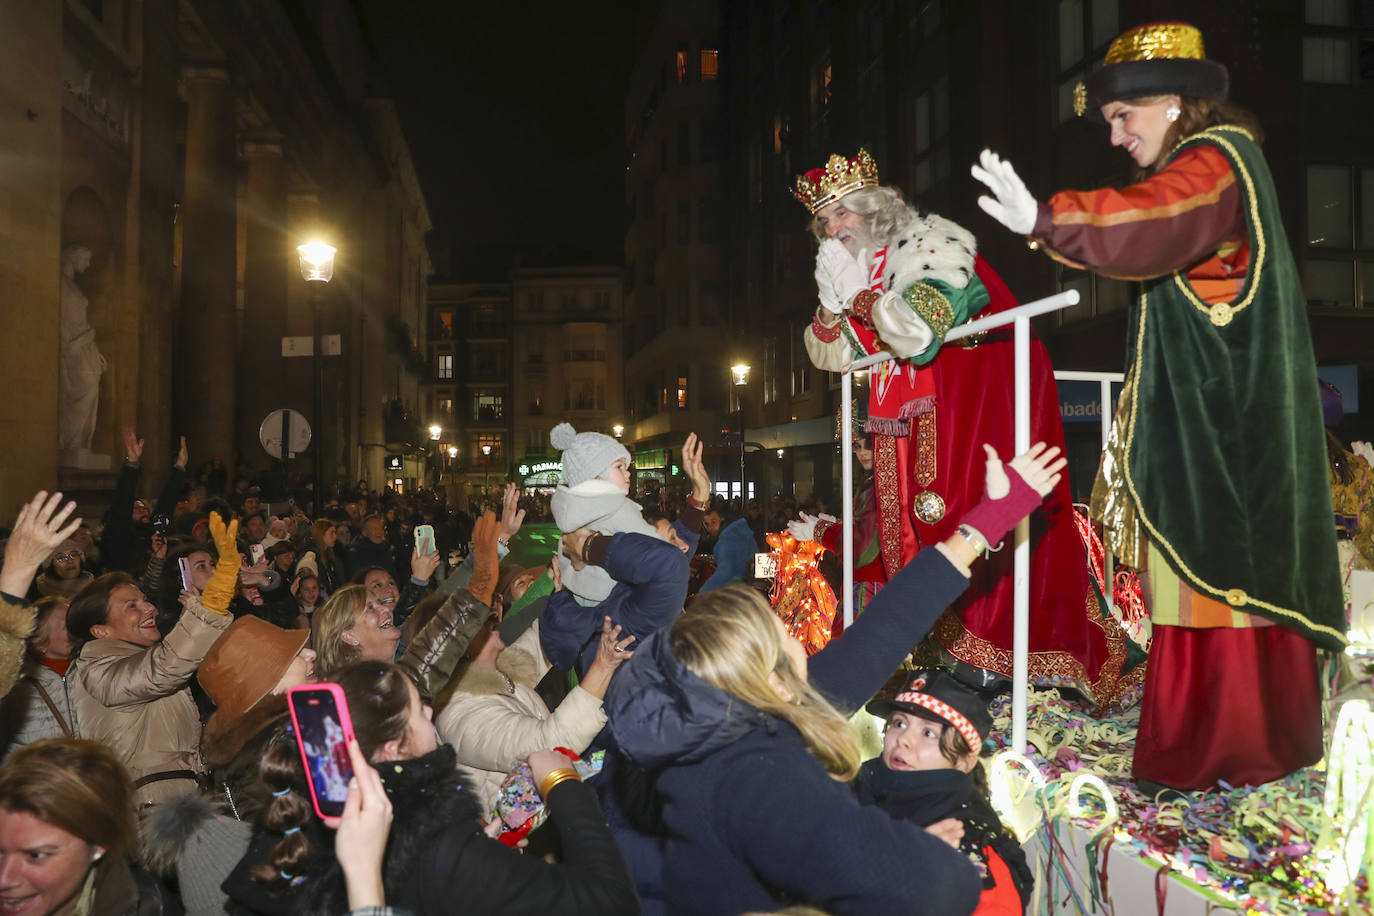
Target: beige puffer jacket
495, 719
135, 699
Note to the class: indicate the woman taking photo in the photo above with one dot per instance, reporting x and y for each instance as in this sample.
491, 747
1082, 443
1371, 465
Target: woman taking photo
438, 859
1214, 483
66, 832
330, 565
750, 751
129, 685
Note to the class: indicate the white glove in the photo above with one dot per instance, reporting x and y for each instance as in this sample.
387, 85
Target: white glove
847, 274
1363, 450
824, 287
1011, 205
805, 528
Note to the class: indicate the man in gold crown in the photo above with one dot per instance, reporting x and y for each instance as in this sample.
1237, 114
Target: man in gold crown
891, 278
1215, 481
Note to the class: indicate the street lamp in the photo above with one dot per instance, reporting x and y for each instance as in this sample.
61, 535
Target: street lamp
452, 452
317, 269
435, 431
618, 430
740, 373
486, 470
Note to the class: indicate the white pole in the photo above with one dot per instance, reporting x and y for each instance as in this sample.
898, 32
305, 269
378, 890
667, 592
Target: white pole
847, 473
1020, 653
1108, 559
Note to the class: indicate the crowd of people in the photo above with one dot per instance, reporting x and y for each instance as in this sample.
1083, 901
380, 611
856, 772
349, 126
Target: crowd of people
688, 754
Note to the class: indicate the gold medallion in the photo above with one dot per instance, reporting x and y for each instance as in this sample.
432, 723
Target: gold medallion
928, 506
1221, 314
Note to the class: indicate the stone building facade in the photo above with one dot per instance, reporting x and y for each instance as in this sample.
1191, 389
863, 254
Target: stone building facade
191, 145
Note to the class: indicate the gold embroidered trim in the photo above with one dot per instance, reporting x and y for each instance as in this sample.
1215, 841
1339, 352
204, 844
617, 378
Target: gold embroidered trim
887, 486
926, 463
934, 309
1110, 690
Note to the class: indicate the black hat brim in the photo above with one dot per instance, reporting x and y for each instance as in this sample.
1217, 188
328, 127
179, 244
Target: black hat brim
1133, 79
883, 709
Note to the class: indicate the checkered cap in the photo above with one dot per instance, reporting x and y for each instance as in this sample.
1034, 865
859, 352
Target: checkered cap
936, 695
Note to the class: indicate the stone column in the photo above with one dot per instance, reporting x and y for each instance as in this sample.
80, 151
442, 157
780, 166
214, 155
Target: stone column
269, 264
206, 371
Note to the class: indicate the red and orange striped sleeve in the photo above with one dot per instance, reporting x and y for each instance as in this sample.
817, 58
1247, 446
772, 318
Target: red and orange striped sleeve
1171, 221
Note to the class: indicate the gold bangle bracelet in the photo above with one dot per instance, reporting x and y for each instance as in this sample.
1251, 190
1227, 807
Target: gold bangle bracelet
562, 774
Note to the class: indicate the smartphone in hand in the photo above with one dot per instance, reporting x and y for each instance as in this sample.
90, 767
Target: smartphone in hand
185, 564
255, 554
424, 538
319, 714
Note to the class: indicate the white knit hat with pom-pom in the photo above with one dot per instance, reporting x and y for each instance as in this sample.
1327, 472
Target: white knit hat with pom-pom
586, 456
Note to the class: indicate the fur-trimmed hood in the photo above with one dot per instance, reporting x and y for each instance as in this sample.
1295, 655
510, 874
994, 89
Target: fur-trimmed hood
930, 247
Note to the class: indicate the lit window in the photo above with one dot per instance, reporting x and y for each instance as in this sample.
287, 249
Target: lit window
710, 62
445, 367
682, 65
682, 392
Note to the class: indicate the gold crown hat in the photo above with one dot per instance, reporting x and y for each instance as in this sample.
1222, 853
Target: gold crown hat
1161, 58
841, 176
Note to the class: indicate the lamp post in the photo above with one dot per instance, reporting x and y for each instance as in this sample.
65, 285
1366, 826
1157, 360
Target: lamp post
740, 373
618, 430
486, 470
317, 269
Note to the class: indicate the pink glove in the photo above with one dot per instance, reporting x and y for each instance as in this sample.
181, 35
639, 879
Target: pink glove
993, 518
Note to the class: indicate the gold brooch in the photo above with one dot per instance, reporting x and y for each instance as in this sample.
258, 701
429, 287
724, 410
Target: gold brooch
928, 506
1080, 99
1236, 597
1221, 314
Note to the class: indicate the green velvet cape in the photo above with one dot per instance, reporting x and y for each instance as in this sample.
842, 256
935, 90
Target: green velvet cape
1225, 456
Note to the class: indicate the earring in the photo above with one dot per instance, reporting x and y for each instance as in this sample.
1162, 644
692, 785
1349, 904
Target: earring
1171, 113
96, 857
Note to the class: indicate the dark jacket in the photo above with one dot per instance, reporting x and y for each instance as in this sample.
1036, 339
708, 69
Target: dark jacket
923, 797
439, 861
363, 554
749, 813
651, 586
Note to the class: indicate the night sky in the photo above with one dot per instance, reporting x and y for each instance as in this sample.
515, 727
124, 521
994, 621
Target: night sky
513, 113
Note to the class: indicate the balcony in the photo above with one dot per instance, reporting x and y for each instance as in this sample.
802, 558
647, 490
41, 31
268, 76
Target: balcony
584, 404
584, 356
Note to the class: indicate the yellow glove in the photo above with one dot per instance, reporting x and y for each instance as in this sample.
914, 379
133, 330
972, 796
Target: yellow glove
224, 580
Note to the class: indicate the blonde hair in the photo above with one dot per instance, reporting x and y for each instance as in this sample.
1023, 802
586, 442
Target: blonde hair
882, 207
339, 614
729, 639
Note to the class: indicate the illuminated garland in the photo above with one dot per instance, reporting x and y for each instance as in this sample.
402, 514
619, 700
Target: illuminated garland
801, 596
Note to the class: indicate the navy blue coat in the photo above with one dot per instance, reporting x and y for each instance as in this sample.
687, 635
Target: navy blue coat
651, 586
751, 820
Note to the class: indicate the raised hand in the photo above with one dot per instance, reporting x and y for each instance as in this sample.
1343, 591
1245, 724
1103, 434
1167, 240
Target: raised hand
42, 525
183, 456
1012, 491
512, 516
423, 565
612, 650
825, 287
1011, 204
695, 470
133, 446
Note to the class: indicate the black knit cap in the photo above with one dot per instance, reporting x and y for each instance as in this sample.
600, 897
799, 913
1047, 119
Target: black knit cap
936, 695
1161, 58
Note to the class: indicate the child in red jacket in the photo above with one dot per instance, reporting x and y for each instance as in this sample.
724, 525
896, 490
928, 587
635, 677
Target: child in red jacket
929, 771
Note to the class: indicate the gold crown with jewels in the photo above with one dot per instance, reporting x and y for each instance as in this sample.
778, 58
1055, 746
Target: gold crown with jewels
841, 176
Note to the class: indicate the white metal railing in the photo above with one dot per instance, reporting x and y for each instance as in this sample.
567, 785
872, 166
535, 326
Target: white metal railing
1019, 317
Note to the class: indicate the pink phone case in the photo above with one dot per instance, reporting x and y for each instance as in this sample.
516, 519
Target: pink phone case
331, 763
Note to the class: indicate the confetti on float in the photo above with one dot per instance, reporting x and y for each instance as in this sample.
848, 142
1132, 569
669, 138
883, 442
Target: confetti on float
1298, 846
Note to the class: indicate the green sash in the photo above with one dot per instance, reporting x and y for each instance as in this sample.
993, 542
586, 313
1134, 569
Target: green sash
1225, 459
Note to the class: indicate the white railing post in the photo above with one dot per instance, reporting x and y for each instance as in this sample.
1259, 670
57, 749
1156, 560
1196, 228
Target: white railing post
1020, 652
847, 473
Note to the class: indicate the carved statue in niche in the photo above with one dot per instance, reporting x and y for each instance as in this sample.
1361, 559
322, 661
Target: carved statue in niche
82, 363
